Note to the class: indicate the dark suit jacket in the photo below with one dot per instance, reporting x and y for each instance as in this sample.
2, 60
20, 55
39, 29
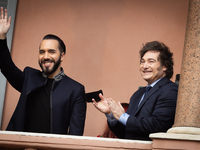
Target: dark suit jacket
68, 108
155, 113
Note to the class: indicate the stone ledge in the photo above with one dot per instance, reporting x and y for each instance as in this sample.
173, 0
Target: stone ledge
185, 130
175, 136
174, 141
24, 140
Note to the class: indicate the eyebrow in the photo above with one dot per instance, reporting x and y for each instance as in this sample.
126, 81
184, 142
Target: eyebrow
151, 59
51, 50
47, 50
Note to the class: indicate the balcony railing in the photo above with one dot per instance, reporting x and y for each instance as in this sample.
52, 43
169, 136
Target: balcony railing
36, 141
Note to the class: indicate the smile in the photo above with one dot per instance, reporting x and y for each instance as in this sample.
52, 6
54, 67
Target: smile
47, 63
146, 71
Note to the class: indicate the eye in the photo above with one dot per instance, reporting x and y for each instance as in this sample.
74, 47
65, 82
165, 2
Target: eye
151, 61
142, 61
52, 51
41, 52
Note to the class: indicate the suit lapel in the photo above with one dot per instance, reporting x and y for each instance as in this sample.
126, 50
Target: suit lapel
134, 105
151, 92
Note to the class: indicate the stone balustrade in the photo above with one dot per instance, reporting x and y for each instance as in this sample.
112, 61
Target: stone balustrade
35, 141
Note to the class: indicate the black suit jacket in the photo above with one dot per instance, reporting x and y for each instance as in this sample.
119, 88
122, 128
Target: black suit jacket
155, 113
68, 108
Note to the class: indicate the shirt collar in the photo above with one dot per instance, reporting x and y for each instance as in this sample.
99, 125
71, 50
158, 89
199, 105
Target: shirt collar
58, 77
154, 83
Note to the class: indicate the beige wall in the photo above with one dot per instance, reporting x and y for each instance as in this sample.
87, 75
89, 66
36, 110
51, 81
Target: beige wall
103, 39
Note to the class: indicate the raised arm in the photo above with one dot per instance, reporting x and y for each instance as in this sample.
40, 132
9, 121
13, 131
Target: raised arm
4, 23
12, 73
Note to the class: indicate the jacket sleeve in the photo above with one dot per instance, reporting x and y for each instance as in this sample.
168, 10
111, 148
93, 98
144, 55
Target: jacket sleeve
118, 129
12, 73
77, 121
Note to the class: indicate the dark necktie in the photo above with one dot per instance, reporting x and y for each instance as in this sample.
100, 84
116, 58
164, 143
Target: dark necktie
147, 90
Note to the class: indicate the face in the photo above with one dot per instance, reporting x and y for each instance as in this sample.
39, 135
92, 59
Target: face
150, 68
50, 58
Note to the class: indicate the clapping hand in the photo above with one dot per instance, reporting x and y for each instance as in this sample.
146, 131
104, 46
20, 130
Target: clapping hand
108, 106
102, 105
116, 108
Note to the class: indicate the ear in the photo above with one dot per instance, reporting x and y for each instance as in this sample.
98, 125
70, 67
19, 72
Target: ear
62, 56
164, 68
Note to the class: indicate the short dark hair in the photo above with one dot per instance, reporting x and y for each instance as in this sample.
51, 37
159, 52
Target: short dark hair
165, 56
61, 44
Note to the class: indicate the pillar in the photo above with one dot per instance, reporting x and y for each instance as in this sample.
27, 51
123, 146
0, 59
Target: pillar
187, 118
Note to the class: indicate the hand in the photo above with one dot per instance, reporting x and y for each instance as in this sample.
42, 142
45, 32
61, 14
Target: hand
116, 108
102, 105
4, 23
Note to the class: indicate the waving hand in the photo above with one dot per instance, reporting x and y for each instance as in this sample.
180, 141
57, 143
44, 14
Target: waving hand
4, 23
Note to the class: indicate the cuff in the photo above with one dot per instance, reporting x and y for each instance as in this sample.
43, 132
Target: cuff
123, 118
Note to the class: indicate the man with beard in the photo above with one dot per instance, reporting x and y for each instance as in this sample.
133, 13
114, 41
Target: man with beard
50, 101
151, 108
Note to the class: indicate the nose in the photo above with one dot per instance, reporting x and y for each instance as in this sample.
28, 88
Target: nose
146, 65
46, 56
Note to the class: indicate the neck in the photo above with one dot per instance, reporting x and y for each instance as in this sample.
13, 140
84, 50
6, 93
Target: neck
51, 76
